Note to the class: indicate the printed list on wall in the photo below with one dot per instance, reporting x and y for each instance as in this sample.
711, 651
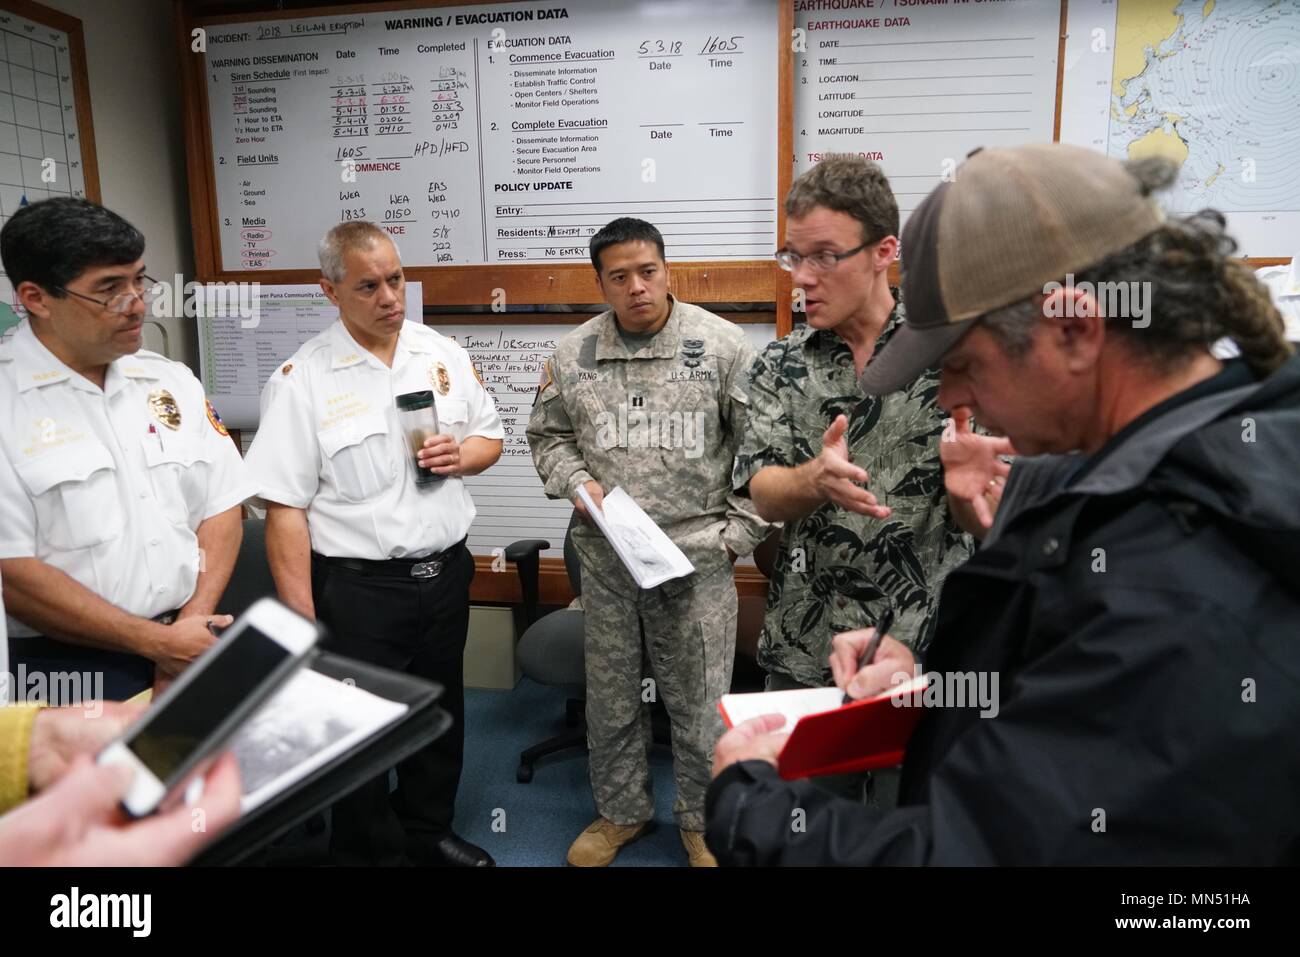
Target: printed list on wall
916, 85
502, 133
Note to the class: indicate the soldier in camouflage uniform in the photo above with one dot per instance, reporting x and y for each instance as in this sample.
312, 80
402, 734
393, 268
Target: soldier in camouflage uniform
857, 479
649, 397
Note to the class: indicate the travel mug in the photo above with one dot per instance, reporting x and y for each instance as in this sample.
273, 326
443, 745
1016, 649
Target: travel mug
418, 418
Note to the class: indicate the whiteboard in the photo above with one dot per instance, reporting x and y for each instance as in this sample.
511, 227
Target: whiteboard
40, 145
499, 133
916, 88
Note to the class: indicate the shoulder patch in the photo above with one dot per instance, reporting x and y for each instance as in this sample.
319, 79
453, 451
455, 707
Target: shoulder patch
215, 419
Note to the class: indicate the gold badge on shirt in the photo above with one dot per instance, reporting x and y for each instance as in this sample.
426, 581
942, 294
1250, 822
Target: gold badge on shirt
165, 409
439, 379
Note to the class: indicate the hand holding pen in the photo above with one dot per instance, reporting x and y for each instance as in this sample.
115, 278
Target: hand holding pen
868, 661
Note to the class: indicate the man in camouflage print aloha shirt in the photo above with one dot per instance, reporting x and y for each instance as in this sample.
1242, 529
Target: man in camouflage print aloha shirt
857, 479
838, 570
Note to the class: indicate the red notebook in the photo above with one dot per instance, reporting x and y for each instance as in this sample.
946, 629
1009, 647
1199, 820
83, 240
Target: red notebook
828, 738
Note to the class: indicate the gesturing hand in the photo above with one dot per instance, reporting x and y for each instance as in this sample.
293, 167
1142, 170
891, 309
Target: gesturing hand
972, 470
837, 479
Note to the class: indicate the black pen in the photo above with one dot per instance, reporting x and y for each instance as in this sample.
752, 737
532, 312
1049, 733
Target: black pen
882, 628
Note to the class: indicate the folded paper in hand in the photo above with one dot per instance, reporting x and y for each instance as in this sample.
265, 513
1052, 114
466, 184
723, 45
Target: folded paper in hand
649, 554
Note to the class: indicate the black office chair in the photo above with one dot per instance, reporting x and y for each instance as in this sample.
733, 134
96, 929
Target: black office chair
551, 647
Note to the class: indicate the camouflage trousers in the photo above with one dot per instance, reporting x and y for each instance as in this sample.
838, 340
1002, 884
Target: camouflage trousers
685, 646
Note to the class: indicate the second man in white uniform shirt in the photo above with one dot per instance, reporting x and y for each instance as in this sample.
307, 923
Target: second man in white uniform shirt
354, 541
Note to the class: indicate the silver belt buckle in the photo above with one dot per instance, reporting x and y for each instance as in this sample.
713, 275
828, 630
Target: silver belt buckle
426, 569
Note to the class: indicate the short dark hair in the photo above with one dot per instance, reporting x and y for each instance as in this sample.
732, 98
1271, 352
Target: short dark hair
848, 184
53, 241
625, 229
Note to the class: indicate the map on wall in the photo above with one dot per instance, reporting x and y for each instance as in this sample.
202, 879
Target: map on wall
1211, 84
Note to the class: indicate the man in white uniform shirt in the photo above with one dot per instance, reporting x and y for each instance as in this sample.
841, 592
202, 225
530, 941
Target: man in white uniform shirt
119, 486
355, 542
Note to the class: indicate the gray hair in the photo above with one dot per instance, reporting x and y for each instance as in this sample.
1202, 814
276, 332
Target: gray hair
1013, 326
342, 239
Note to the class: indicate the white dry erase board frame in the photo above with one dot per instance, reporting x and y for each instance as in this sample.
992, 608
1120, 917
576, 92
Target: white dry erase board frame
757, 280
74, 38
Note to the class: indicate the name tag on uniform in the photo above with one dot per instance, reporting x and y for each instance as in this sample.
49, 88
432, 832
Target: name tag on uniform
692, 375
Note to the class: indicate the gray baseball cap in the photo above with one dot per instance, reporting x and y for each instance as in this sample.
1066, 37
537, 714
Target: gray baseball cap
1010, 221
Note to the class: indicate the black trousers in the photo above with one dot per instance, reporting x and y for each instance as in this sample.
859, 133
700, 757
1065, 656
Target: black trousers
118, 675
417, 626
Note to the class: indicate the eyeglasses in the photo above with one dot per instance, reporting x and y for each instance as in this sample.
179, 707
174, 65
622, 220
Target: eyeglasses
121, 304
823, 261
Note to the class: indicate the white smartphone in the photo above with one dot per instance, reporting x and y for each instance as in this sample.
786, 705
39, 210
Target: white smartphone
194, 717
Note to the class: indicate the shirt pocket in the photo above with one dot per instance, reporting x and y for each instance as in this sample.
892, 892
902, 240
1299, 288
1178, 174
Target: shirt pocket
596, 427
178, 470
74, 495
590, 403
358, 459
453, 417
684, 433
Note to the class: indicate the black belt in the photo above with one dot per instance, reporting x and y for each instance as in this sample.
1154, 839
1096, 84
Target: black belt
427, 566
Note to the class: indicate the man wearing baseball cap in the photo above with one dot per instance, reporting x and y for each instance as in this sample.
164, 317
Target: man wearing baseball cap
1136, 596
